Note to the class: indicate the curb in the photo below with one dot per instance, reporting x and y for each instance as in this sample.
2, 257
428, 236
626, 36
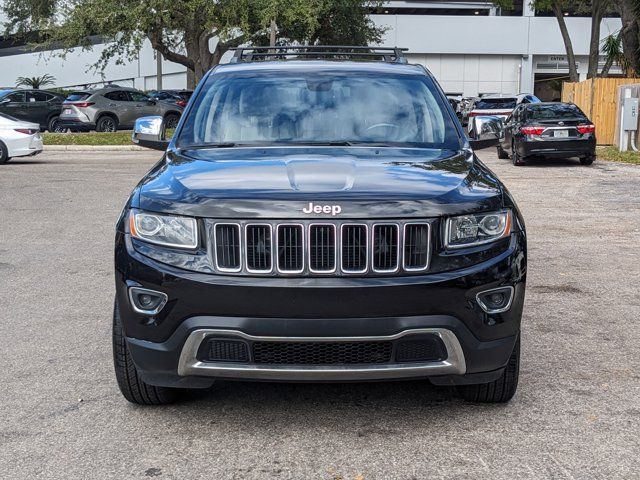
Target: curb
93, 148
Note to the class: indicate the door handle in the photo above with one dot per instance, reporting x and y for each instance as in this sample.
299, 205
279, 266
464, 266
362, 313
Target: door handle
113, 104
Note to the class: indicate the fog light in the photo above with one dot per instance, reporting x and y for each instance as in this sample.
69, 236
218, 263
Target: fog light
145, 301
496, 300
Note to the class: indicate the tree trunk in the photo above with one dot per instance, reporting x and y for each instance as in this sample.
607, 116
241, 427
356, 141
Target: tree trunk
597, 11
573, 71
630, 33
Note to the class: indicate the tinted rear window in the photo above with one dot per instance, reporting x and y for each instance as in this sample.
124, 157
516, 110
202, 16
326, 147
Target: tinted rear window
559, 110
78, 96
496, 104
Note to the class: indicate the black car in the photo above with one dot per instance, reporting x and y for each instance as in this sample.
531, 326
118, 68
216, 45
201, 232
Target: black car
36, 106
317, 220
558, 130
179, 97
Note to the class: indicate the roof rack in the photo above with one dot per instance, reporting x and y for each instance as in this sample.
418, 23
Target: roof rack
316, 52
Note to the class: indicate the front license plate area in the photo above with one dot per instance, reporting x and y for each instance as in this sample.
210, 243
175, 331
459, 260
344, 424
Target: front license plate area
561, 133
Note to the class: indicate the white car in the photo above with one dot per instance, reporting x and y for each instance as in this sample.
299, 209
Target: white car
18, 138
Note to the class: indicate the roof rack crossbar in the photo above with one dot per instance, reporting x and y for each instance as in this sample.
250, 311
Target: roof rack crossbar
387, 54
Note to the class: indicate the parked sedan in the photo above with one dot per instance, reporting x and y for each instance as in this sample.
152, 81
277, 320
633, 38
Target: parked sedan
114, 108
496, 105
559, 130
18, 138
36, 106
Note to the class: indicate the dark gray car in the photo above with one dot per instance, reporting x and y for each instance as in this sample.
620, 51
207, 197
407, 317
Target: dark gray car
113, 108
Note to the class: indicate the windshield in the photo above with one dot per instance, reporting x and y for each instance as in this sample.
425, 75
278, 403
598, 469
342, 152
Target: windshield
496, 104
283, 107
558, 110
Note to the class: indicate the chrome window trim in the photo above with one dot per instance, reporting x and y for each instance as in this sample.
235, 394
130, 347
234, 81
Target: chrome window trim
277, 253
398, 254
366, 246
189, 364
246, 227
215, 248
335, 246
404, 242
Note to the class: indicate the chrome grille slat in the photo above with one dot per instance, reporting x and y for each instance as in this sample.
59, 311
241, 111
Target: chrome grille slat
227, 247
354, 248
416, 246
258, 248
320, 248
290, 248
385, 244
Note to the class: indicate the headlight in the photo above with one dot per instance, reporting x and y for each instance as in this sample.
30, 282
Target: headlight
167, 230
469, 230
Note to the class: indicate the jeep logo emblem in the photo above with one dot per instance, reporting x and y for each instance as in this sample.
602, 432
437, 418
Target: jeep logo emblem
327, 209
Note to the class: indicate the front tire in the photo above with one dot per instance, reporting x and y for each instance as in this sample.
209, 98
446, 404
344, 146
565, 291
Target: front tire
501, 390
107, 124
4, 153
132, 387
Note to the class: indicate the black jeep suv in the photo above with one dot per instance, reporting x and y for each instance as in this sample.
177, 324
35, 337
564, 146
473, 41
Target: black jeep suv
319, 215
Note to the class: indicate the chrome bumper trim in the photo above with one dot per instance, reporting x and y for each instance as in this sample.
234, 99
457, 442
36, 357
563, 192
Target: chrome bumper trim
189, 364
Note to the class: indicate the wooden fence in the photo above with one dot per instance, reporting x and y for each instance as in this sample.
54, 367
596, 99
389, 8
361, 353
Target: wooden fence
598, 98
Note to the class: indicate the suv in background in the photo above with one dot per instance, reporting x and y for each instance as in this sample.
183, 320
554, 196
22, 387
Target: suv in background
35, 106
114, 108
317, 219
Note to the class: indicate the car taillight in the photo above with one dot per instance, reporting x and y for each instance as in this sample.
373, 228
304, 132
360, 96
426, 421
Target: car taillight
181, 103
532, 130
26, 131
586, 129
80, 104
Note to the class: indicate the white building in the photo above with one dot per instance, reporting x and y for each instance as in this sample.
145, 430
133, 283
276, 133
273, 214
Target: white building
470, 46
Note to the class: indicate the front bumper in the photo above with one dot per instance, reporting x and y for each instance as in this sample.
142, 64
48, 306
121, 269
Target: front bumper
164, 348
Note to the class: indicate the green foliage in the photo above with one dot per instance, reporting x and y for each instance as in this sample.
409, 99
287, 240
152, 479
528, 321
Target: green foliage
116, 138
182, 29
612, 154
35, 82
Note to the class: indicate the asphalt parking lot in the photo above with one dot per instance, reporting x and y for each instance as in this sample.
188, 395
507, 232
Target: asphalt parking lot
576, 414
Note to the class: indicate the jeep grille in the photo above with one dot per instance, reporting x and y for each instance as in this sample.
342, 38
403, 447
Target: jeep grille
319, 248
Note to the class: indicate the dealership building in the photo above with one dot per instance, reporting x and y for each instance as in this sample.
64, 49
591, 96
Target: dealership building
472, 47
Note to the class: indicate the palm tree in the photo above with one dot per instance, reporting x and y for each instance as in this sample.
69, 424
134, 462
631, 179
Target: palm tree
36, 82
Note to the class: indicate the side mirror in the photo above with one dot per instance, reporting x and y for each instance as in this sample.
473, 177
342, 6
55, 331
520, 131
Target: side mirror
485, 132
149, 132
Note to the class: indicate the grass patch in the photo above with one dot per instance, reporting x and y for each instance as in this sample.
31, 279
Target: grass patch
613, 155
89, 138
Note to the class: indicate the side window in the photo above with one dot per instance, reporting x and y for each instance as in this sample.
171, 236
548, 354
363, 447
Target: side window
15, 97
117, 96
139, 97
38, 97
526, 100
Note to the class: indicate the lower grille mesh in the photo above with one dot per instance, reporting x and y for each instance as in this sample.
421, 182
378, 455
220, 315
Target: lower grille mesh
321, 353
222, 350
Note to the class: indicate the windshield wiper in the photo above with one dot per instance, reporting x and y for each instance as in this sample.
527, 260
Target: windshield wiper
202, 146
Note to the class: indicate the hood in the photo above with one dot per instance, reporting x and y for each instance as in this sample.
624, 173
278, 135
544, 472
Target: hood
279, 182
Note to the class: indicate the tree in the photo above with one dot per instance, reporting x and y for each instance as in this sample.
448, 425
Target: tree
597, 10
35, 82
184, 31
629, 11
